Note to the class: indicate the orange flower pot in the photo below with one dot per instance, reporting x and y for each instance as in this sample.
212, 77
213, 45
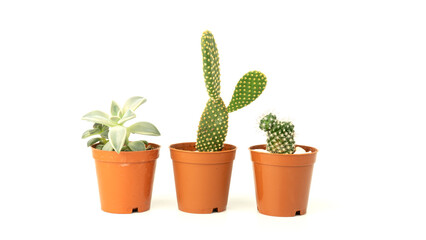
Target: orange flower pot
202, 178
125, 180
282, 181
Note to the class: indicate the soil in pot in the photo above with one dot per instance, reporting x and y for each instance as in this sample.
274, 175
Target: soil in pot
282, 181
125, 180
202, 179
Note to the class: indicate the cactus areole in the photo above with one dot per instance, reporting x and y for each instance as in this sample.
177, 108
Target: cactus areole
213, 126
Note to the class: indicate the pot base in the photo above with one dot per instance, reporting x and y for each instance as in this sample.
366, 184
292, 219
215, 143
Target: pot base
127, 210
202, 211
283, 214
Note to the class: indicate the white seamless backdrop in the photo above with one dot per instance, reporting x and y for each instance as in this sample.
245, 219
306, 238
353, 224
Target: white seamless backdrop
348, 74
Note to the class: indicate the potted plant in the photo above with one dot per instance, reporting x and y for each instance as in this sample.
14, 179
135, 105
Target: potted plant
125, 169
282, 170
203, 169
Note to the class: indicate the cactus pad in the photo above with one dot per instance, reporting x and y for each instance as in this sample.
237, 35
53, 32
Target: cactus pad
280, 135
210, 64
213, 126
250, 86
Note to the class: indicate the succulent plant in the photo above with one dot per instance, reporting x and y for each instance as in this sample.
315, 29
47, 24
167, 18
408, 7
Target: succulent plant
113, 135
213, 126
280, 135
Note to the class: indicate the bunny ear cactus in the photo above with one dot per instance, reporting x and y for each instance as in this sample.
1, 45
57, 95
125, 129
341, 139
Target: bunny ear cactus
213, 126
280, 135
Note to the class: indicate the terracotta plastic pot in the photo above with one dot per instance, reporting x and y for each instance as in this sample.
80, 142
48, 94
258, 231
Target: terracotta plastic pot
125, 180
202, 178
282, 181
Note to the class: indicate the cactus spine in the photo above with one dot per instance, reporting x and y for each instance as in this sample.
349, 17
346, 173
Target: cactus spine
213, 125
280, 134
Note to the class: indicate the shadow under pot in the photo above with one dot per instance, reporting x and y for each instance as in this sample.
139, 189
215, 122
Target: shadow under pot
125, 180
202, 178
282, 181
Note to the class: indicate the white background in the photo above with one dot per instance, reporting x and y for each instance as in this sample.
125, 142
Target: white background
349, 75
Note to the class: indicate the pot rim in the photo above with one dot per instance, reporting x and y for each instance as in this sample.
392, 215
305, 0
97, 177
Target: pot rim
263, 146
127, 157
172, 147
204, 158
156, 147
283, 160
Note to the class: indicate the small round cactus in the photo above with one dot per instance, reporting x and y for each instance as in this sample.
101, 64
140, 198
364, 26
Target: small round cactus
280, 135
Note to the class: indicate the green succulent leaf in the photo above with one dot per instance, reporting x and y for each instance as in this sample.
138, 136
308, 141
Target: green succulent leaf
125, 149
108, 147
132, 104
105, 133
93, 141
115, 109
113, 135
91, 132
115, 119
250, 86
99, 117
127, 116
117, 137
137, 146
144, 128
